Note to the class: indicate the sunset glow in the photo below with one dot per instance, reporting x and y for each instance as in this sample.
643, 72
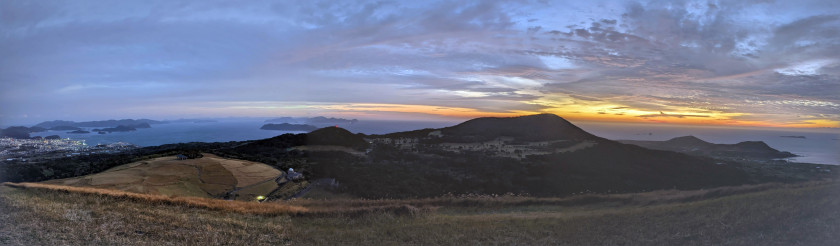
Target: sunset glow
768, 64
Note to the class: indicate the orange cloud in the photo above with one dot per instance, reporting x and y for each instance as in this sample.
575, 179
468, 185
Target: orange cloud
419, 109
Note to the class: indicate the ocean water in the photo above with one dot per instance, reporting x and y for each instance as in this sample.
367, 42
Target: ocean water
222, 131
226, 130
819, 145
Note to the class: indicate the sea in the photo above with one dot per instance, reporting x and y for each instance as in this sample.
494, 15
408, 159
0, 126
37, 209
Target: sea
812, 145
225, 130
821, 146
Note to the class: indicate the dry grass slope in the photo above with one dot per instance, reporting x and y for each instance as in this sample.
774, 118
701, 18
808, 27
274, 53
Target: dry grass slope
189, 202
209, 177
770, 214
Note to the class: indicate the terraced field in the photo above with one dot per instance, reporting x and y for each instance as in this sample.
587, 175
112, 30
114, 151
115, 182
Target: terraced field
210, 176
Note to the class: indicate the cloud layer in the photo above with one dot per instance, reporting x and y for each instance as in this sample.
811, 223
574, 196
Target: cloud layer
713, 62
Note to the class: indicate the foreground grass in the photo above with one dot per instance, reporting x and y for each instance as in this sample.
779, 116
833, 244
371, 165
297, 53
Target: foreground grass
803, 214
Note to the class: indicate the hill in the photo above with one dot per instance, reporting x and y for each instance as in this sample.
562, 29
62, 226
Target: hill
210, 176
695, 146
542, 127
21, 132
532, 128
336, 136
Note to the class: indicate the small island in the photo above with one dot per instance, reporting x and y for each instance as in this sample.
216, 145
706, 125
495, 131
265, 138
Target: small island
802, 137
289, 127
79, 132
120, 128
318, 120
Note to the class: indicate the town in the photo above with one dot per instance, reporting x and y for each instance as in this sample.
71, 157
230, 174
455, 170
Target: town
12, 149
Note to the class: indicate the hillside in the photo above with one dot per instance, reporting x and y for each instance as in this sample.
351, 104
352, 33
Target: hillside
210, 176
695, 146
802, 214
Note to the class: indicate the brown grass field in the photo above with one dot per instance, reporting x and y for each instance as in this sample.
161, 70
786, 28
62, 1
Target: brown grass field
768, 214
210, 176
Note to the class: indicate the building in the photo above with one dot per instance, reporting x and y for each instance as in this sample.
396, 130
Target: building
181, 157
292, 175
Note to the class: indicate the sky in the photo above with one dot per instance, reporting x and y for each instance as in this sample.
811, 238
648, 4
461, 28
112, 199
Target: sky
745, 63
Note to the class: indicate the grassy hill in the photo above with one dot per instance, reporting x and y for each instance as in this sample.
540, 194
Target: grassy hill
210, 176
770, 214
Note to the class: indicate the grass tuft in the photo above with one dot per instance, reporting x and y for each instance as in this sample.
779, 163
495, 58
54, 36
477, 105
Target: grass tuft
189, 202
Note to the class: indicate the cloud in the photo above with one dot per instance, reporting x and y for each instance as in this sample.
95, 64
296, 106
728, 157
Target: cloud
490, 56
664, 115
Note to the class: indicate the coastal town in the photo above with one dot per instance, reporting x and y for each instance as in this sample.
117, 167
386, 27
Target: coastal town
12, 149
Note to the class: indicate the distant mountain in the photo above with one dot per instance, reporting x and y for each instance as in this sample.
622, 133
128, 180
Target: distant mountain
325, 120
285, 120
55, 123
139, 123
289, 127
21, 132
695, 146
16, 132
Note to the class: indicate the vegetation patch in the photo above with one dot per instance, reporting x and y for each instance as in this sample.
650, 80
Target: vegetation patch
768, 214
209, 177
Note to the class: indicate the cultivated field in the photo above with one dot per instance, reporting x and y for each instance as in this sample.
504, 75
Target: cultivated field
210, 177
769, 214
